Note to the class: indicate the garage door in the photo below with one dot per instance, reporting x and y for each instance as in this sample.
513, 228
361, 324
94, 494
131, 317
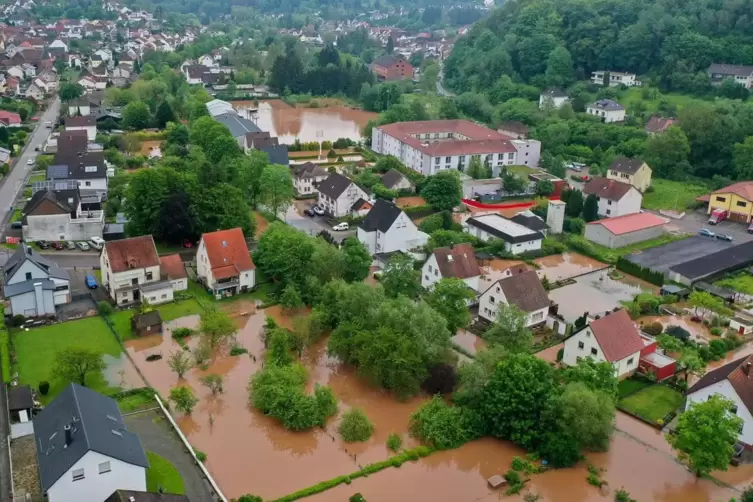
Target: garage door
738, 217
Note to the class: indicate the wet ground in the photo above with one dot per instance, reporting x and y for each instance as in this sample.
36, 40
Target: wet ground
698, 331
413, 201
566, 265
469, 341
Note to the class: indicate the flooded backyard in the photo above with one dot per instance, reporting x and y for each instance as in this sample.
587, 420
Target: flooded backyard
250, 453
566, 265
288, 123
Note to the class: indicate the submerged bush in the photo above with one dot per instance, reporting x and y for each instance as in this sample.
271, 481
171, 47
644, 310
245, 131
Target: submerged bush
355, 426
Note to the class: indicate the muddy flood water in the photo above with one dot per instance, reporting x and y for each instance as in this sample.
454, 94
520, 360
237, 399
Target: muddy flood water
288, 123
250, 453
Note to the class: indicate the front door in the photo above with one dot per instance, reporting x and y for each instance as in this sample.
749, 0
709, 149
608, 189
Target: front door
136, 295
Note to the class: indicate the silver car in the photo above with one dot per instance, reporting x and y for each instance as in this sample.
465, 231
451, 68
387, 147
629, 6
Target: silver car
83, 246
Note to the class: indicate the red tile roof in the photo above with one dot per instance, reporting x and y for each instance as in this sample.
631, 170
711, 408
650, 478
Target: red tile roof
172, 265
659, 124
136, 252
227, 252
630, 222
480, 139
607, 189
739, 373
10, 117
742, 189
617, 335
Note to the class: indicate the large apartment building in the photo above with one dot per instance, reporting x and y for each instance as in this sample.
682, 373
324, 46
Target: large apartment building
435, 145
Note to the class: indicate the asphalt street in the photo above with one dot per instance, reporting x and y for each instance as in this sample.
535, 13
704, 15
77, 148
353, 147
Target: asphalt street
314, 225
14, 182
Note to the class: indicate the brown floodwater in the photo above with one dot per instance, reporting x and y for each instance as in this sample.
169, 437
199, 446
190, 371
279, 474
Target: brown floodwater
120, 372
566, 265
697, 330
288, 123
469, 341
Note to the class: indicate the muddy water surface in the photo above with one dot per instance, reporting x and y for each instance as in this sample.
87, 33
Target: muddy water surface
469, 341
566, 265
288, 123
697, 330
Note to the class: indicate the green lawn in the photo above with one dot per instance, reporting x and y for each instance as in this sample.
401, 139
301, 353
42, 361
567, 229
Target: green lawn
653, 403
121, 319
741, 282
630, 96
628, 386
522, 171
262, 292
36, 349
162, 473
675, 195
16, 216
37, 177
137, 401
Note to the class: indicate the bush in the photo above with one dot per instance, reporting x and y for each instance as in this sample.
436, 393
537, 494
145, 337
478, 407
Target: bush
560, 354
442, 426
644, 273
17, 320
355, 426
394, 442
44, 387
105, 309
238, 350
248, 498
200, 455
716, 331
677, 332
654, 329
180, 333
356, 498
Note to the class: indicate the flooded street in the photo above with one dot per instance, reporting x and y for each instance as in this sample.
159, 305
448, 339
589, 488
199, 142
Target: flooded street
288, 123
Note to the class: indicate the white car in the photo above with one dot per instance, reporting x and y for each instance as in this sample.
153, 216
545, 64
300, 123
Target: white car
318, 210
341, 226
30, 162
83, 246
97, 242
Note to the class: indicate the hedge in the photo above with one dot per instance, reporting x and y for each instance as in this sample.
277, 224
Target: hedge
4, 347
648, 275
396, 461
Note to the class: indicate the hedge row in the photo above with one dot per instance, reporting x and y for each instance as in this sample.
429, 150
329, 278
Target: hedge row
396, 461
644, 273
4, 347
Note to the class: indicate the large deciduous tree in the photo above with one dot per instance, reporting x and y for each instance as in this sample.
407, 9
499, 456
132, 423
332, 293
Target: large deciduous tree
69, 92
443, 191
183, 398
216, 328
587, 415
450, 297
591, 208
559, 68
400, 278
667, 154
73, 364
136, 116
356, 260
276, 190
509, 329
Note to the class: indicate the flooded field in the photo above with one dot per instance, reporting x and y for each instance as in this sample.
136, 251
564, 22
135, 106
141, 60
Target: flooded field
597, 291
288, 123
698, 331
566, 265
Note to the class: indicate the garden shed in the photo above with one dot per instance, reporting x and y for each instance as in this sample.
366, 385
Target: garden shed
146, 323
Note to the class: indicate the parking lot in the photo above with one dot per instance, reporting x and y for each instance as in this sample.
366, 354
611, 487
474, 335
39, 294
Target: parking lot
693, 221
312, 225
661, 258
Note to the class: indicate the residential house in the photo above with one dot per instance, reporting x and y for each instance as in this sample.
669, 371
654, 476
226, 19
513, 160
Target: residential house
34, 285
531, 221
16, 71
392, 67
608, 110
553, 98
60, 215
732, 381
615, 78
658, 125
13, 85
195, 74
258, 140
238, 126
123, 71
134, 496
84, 450
518, 238
458, 262
338, 194
632, 171
20, 405
514, 129
278, 154
87, 123
217, 106
5, 156
306, 177
59, 44
224, 264
10, 119
740, 74
131, 272
625, 230
88, 169
35, 91
613, 338
88, 82
736, 199
172, 266
395, 180
522, 290
615, 197
387, 229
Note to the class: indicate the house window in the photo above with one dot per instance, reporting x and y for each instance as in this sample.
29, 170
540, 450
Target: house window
741, 203
104, 467
78, 474
437, 160
580, 345
88, 183
429, 268
447, 160
609, 203
426, 277
436, 272
511, 155
594, 351
630, 361
609, 211
148, 276
721, 199
733, 409
164, 296
28, 276
491, 299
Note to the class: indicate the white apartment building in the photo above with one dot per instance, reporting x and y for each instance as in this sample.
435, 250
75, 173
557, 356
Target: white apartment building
615, 78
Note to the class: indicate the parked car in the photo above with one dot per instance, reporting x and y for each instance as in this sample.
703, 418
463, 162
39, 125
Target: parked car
36, 148
309, 212
91, 282
706, 232
17, 224
577, 167
57, 246
97, 242
717, 216
83, 246
187, 244
318, 210
43, 244
30, 162
70, 245
724, 237
341, 227
750, 228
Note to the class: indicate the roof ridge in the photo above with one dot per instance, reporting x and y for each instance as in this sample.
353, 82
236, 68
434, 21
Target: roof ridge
80, 416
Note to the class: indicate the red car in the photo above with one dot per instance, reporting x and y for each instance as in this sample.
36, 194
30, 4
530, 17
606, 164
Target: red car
58, 245
187, 244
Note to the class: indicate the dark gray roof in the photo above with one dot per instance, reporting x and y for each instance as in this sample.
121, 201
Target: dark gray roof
381, 217
626, 165
392, 178
532, 222
73, 165
96, 425
20, 398
57, 172
534, 235
555, 92
151, 318
24, 253
278, 154
335, 185
606, 104
132, 496
725, 260
66, 200
525, 291
238, 125
155, 286
731, 69
80, 121
21, 288
388, 60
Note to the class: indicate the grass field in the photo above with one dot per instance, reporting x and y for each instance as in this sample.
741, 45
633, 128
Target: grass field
652, 403
630, 96
36, 350
37, 177
612, 255
741, 282
522, 171
121, 320
627, 387
674, 195
16, 216
162, 473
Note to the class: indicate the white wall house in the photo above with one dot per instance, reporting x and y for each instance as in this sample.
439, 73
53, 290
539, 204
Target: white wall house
518, 239
615, 78
387, 228
306, 177
522, 290
458, 262
337, 195
84, 450
615, 198
57, 215
607, 110
612, 338
129, 264
553, 98
83, 123
223, 262
33, 284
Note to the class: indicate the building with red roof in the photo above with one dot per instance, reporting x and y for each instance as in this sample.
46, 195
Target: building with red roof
10, 119
625, 230
224, 264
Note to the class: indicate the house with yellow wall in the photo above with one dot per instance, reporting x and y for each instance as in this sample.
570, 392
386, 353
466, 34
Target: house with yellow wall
736, 199
631, 171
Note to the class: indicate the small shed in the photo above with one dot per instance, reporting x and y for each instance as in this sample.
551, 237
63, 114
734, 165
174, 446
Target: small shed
20, 403
741, 325
674, 290
147, 323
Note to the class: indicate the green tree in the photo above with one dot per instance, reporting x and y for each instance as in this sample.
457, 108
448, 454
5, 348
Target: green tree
574, 203
214, 383
590, 208
69, 92
216, 328
73, 364
356, 260
559, 68
443, 191
706, 435
509, 329
291, 298
355, 426
279, 348
742, 159
544, 188
284, 254
183, 398
136, 116
597, 376
691, 362
512, 184
179, 362
442, 426
400, 278
164, 115
450, 297
276, 189
587, 415
667, 153
390, 46
473, 376
476, 169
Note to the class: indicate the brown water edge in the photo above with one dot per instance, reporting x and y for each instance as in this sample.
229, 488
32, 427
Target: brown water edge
289, 123
566, 265
469, 341
120, 372
697, 330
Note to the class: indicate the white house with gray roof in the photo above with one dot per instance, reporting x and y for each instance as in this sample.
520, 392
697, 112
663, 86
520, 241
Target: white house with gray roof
33, 284
387, 229
607, 109
338, 194
84, 450
518, 238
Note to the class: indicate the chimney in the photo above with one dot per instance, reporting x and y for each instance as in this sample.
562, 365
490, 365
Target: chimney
28, 249
68, 435
746, 368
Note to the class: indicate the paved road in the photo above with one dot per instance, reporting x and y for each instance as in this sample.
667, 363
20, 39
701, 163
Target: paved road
63, 259
313, 226
440, 88
14, 182
693, 221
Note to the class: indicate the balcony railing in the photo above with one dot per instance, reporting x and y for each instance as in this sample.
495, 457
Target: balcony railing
226, 284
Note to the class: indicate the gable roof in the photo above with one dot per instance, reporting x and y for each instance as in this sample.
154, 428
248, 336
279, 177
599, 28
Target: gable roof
127, 254
96, 425
20, 398
617, 335
459, 262
525, 291
392, 178
507, 230
531, 221
172, 266
381, 217
606, 188
742, 189
388, 60
23, 253
132, 496
606, 104
309, 170
226, 249
626, 165
278, 154
80, 121
238, 125
658, 124
630, 222
731, 69
738, 373
66, 200
335, 185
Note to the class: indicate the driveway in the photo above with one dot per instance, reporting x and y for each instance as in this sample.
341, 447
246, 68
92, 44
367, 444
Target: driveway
64, 259
14, 182
314, 225
693, 221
